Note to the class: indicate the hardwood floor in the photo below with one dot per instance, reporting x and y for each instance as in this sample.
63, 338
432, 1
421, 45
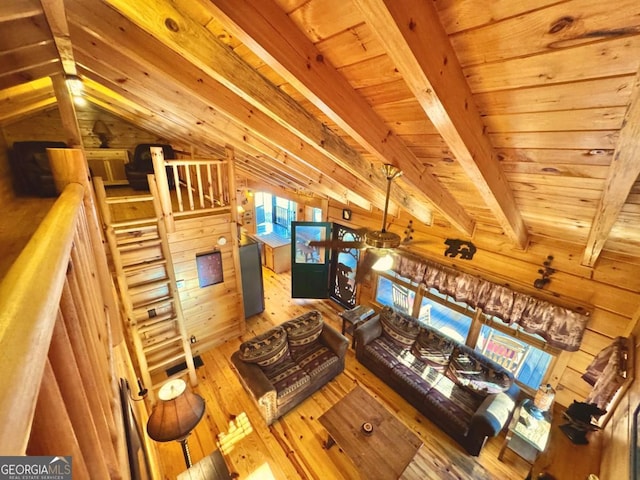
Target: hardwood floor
292, 447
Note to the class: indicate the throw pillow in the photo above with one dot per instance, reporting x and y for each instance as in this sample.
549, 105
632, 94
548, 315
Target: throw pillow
305, 329
433, 349
399, 329
476, 374
267, 348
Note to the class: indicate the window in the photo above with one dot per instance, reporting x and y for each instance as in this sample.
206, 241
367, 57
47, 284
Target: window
448, 316
274, 214
526, 356
517, 351
439, 311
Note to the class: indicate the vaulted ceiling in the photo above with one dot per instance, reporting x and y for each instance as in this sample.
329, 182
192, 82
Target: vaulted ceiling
521, 118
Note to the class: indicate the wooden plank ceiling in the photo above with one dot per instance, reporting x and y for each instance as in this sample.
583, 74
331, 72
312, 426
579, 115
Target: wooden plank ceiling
521, 118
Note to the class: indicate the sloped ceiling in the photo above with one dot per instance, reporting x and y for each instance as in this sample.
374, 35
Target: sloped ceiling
520, 118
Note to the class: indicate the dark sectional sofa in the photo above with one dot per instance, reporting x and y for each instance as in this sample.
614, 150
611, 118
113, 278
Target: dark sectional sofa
284, 365
467, 395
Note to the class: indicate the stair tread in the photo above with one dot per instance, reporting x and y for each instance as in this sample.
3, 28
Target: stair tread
137, 267
129, 199
146, 286
136, 222
167, 362
140, 244
162, 343
158, 302
122, 241
134, 228
148, 327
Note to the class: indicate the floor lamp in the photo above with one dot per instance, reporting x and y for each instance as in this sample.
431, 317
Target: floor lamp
174, 417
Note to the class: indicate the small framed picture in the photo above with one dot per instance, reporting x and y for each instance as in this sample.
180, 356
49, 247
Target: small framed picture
209, 268
346, 214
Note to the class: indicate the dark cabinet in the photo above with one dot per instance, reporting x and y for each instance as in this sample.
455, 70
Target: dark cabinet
251, 271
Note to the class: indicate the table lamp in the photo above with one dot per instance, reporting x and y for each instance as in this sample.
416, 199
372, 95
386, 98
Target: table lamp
542, 401
102, 131
174, 417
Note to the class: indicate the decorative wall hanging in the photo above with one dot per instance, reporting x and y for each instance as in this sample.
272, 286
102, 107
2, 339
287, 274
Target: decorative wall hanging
346, 214
545, 273
408, 232
209, 268
465, 249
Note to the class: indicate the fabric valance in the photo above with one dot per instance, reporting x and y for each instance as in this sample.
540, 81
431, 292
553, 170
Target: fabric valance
560, 327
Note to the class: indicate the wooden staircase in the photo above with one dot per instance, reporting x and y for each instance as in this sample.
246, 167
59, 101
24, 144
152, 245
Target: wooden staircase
147, 284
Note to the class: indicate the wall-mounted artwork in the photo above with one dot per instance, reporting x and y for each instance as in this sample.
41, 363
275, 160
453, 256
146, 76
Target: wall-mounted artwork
209, 268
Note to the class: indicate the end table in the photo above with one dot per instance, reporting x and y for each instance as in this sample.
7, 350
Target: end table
352, 318
527, 436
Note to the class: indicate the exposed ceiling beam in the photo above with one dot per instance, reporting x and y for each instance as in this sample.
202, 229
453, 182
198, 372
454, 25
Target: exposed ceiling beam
139, 55
149, 87
623, 173
57, 20
275, 38
194, 42
418, 45
67, 111
285, 170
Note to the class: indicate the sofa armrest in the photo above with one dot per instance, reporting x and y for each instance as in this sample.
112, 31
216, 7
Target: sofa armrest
258, 385
334, 340
367, 331
491, 417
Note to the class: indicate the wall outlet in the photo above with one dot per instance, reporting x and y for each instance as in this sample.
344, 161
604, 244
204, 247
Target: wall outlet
180, 283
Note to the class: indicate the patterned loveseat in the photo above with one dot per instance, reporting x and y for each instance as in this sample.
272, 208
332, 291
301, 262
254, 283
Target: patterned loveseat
284, 365
467, 395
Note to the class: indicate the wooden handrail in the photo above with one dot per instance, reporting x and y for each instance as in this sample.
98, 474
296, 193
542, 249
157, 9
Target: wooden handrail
204, 183
29, 301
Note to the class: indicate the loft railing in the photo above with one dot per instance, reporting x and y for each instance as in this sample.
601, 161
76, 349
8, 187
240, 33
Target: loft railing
58, 388
204, 183
201, 186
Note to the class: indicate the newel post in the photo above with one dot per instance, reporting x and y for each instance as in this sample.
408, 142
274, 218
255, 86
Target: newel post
160, 172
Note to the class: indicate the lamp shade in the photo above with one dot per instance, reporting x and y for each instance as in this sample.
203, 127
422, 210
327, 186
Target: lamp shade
176, 414
384, 263
103, 133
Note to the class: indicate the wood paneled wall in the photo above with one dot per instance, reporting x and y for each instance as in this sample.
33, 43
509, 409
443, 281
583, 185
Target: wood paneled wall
618, 433
611, 290
214, 313
48, 126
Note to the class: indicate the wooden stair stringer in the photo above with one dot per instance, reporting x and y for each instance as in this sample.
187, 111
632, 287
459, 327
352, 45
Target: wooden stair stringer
163, 317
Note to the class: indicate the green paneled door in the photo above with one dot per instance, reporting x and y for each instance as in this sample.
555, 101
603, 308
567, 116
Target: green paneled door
309, 265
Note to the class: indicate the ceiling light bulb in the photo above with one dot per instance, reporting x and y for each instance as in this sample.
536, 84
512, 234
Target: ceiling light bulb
75, 84
383, 263
79, 101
